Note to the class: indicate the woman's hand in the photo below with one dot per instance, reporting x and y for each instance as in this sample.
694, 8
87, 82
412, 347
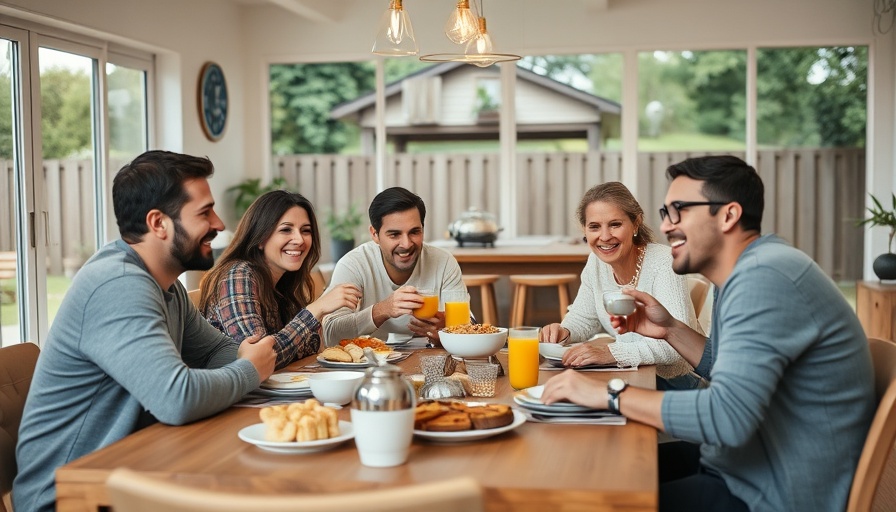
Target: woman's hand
342, 296
553, 333
585, 354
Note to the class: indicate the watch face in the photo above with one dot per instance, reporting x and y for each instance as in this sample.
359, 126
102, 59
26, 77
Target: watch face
616, 385
213, 101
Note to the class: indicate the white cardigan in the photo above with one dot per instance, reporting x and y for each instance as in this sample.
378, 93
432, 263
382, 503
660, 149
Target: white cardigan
586, 316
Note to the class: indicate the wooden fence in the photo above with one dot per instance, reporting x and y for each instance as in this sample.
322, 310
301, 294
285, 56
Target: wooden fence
813, 196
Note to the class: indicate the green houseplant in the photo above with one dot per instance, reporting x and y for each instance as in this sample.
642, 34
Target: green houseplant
248, 190
342, 227
885, 264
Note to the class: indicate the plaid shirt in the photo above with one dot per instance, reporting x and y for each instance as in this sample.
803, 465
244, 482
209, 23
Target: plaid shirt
238, 315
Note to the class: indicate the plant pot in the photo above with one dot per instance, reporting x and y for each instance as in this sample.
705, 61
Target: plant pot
339, 248
885, 266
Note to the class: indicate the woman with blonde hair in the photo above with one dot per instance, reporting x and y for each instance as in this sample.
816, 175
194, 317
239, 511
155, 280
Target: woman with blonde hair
624, 254
262, 282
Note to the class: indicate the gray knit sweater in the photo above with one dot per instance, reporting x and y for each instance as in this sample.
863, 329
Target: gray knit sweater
121, 353
791, 395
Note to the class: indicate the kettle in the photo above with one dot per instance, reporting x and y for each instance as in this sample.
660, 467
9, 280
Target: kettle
475, 226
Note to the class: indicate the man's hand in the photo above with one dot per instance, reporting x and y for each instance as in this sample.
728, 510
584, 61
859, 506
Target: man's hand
260, 352
403, 301
651, 319
428, 327
576, 388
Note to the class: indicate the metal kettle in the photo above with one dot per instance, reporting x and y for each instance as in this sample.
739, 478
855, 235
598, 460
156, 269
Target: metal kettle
383, 389
475, 226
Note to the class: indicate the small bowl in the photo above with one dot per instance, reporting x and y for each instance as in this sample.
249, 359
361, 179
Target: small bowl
334, 387
552, 350
473, 345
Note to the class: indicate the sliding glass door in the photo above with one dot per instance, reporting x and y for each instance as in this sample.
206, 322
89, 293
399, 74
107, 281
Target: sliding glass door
72, 113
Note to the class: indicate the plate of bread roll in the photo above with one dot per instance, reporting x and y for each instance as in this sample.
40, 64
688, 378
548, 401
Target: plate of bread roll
457, 421
298, 428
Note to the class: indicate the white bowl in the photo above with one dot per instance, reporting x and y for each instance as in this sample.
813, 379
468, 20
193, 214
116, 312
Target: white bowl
553, 350
334, 387
473, 345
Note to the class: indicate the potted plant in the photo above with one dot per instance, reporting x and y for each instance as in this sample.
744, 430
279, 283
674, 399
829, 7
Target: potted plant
248, 190
885, 264
342, 227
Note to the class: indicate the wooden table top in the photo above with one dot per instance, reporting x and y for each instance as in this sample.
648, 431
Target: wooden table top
534, 467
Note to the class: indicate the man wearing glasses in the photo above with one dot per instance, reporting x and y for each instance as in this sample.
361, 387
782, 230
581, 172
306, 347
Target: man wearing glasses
790, 397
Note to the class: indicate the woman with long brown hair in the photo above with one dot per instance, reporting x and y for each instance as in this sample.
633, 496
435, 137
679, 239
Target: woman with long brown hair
262, 282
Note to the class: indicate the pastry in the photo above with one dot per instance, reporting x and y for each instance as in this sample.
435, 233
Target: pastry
356, 353
490, 416
449, 422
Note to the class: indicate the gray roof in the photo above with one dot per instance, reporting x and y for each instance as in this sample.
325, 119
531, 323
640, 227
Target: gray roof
367, 100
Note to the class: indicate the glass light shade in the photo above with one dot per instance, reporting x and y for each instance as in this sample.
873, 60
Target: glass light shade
394, 35
462, 25
480, 47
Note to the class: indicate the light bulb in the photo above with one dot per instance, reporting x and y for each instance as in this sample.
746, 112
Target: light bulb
395, 36
461, 25
480, 47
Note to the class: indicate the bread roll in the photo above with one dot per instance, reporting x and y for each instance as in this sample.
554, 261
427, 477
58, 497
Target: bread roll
336, 354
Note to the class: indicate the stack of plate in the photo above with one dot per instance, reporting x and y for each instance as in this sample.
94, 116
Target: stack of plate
288, 384
530, 399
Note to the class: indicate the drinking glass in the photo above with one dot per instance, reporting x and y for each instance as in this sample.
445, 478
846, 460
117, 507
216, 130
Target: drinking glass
430, 304
483, 377
522, 356
457, 307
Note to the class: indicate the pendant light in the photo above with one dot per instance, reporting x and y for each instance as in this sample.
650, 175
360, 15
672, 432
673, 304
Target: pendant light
462, 25
479, 50
394, 35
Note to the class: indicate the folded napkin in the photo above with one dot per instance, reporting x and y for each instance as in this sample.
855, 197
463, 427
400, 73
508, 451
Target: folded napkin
608, 419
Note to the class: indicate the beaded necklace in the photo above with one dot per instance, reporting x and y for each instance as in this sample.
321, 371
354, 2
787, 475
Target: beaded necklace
634, 281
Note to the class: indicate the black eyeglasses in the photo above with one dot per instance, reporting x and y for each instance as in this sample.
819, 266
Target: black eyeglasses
672, 209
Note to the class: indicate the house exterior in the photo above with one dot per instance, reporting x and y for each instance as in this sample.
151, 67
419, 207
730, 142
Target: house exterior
455, 101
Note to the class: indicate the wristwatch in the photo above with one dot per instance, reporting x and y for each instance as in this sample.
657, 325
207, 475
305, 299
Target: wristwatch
614, 388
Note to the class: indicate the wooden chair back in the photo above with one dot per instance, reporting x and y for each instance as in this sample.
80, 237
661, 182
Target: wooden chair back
194, 296
699, 288
877, 454
130, 491
17, 364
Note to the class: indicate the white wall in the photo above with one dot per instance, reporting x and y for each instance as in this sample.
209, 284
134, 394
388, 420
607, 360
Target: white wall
246, 37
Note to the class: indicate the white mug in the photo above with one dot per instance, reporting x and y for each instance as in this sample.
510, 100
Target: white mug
383, 438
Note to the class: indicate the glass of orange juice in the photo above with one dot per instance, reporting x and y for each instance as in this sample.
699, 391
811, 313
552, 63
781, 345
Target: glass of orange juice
457, 307
430, 304
522, 356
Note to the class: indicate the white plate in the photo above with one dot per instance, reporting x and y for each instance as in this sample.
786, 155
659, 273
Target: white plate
254, 434
547, 410
337, 364
531, 399
470, 435
287, 380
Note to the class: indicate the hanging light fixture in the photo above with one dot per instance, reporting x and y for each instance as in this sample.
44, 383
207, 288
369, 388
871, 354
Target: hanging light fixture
479, 50
462, 25
394, 35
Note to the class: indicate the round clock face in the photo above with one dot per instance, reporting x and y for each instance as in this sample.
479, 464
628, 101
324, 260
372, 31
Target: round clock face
212, 101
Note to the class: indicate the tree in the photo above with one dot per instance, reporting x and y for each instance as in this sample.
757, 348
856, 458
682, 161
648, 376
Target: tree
302, 96
65, 112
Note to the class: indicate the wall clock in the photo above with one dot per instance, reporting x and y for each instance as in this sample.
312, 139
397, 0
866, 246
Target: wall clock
212, 101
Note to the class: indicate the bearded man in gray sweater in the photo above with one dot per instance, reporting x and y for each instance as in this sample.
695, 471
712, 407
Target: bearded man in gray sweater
790, 397
127, 348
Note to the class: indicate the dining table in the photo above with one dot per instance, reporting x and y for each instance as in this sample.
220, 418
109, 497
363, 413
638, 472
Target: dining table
535, 466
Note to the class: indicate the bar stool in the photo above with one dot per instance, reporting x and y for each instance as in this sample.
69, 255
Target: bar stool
486, 285
521, 284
